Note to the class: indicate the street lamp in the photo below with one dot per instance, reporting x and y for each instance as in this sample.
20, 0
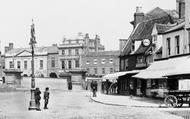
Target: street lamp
32, 104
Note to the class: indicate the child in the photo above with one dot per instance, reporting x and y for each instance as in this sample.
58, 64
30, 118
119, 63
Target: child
46, 97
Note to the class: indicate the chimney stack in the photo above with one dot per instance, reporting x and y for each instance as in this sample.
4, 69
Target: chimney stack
138, 16
180, 6
10, 46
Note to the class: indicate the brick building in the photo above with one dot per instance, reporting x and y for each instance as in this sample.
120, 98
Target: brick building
101, 63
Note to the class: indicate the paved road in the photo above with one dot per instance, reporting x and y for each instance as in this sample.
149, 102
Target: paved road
75, 104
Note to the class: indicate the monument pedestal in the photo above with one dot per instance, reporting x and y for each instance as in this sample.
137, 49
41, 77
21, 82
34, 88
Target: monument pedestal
13, 77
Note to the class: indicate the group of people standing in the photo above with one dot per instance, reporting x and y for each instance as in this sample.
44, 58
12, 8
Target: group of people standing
38, 98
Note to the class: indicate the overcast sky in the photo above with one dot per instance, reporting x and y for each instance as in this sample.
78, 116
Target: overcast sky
57, 18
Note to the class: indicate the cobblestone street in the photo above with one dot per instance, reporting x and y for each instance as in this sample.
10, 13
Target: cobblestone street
75, 104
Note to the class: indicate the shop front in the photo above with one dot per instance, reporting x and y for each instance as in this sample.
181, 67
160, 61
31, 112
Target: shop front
122, 82
162, 75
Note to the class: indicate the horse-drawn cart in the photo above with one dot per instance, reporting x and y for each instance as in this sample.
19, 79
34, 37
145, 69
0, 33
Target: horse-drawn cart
176, 98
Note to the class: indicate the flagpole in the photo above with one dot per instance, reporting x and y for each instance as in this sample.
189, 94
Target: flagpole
32, 104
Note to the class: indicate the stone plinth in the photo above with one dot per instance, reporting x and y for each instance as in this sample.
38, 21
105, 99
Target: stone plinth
13, 77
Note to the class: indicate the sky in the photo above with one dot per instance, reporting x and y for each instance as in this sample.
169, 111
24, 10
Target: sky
55, 19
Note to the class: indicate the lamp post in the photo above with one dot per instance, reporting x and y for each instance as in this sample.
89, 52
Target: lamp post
32, 104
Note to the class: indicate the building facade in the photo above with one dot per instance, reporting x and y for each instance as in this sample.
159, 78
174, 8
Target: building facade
101, 63
143, 46
45, 60
72, 50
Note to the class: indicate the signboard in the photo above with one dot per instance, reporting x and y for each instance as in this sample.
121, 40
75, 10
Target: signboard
184, 84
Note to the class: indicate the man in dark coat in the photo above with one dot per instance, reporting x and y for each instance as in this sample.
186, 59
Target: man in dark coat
37, 99
107, 85
46, 97
94, 87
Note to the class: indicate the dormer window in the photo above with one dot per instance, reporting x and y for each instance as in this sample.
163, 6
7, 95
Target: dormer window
154, 38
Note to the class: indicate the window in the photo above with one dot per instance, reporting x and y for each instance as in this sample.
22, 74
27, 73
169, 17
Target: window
154, 38
87, 62
95, 61
77, 41
111, 61
122, 64
139, 59
70, 65
63, 64
168, 46
103, 70
63, 52
177, 44
69, 41
11, 65
133, 46
111, 70
76, 51
88, 70
103, 61
18, 64
69, 51
95, 71
25, 64
126, 63
76, 63
41, 64
52, 62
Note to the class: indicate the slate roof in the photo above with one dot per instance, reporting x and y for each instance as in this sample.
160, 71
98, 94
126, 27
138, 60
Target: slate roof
142, 49
103, 53
176, 27
37, 50
143, 30
161, 28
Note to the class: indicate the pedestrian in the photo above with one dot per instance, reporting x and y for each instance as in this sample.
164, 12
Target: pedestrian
107, 86
46, 97
37, 99
94, 87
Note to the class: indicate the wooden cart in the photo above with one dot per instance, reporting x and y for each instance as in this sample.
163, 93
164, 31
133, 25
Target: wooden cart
176, 98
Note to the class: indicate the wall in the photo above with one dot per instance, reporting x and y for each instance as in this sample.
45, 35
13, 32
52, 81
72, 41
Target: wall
28, 71
102, 62
172, 35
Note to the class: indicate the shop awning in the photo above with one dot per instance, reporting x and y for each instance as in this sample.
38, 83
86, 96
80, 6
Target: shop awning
160, 69
182, 68
114, 76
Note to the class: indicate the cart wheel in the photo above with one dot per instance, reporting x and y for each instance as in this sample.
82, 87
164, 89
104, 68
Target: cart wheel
179, 101
170, 101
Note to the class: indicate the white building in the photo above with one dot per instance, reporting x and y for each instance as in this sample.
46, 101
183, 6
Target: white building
45, 60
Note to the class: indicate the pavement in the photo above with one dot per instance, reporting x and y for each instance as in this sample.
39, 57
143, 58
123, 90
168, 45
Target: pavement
119, 100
